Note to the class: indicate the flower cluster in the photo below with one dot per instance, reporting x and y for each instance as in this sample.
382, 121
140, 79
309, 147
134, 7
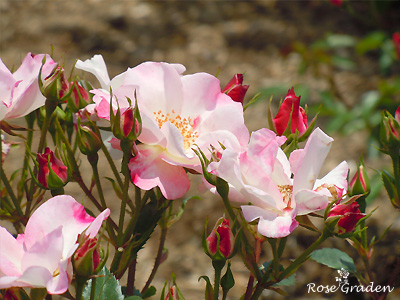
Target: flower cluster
163, 124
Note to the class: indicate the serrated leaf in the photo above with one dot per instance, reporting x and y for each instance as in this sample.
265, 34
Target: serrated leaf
107, 287
334, 258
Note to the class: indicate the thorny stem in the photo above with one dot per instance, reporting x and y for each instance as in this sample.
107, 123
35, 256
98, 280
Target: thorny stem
250, 283
293, 267
131, 278
218, 265
157, 261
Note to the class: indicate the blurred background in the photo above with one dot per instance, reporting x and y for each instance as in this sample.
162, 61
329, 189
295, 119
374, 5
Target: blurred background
340, 55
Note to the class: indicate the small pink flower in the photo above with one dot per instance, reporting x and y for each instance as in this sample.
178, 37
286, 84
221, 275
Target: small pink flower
291, 107
48, 161
226, 240
235, 88
396, 42
41, 257
275, 190
20, 93
351, 215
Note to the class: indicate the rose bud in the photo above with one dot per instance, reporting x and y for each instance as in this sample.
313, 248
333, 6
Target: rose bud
350, 216
220, 243
235, 88
52, 172
89, 141
172, 293
55, 86
360, 184
86, 258
79, 97
290, 108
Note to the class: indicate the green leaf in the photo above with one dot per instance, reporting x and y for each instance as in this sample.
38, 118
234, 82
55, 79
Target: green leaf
107, 287
134, 298
340, 40
151, 291
334, 258
371, 42
227, 281
287, 281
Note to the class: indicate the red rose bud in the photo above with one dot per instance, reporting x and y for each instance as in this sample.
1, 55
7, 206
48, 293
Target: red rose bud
396, 42
350, 216
52, 172
397, 115
336, 2
89, 142
172, 293
79, 97
224, 241
360, 184
290, 108
86, 258
55, 86
235, 88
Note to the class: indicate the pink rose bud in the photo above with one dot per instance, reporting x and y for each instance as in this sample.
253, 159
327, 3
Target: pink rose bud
52, 172
397, 115
225, 240
235, 88
390, 130
79, 97
360, 184
55, 85
396, 42
86, 258
350, 216
128, 122
291, 107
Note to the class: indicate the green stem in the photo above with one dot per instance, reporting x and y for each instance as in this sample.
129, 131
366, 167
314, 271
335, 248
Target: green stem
30, 119
125, 195
218, 265
10, 190
80, 285
292, 267
157, 261
93, 289
93, 160
112, 165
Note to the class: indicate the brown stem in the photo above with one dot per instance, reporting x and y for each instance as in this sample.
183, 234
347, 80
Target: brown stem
131, 278
157, 261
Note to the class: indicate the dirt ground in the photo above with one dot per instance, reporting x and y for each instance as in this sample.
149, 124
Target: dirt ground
251, 37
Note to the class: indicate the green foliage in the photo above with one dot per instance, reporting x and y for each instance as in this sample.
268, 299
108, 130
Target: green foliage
334, 258
106, 287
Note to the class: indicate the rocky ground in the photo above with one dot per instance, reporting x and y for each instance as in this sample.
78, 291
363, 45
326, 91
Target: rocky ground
254, 38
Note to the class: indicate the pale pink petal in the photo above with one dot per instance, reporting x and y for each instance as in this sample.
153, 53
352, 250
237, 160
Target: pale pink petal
315, 152
35, 276
160, 86
148, 170
59, 284
174, 138
281, 173
309, 201
270, 224
97, 67
227, 117
201, 92
94, 228
151, 134
58, 211
45, 252
11, 253
337, 177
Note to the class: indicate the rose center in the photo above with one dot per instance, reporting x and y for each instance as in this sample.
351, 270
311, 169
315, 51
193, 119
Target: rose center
287, 194
184, 125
